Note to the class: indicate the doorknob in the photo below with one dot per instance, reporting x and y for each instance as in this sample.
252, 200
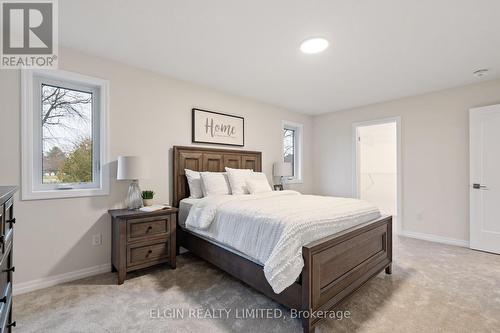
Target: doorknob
479, 187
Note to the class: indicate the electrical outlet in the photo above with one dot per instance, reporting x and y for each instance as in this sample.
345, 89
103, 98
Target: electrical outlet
96, 239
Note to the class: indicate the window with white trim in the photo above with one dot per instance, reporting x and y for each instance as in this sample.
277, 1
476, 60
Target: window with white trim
292, 149
64, 135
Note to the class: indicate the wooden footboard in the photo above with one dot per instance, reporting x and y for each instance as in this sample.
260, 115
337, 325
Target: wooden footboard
336, 266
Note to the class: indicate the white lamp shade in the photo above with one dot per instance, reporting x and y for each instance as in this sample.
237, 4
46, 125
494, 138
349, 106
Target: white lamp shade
131, 168
282, 169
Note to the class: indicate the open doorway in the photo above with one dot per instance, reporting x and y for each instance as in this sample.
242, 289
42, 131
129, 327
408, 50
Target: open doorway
377, 165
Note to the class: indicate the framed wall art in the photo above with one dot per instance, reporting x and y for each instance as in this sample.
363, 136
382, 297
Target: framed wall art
218, 128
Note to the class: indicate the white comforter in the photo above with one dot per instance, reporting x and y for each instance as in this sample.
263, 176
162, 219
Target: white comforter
271, 228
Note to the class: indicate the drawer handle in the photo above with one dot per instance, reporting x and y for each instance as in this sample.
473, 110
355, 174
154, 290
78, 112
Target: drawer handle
149, 228
12, 221
13, 324
12, 269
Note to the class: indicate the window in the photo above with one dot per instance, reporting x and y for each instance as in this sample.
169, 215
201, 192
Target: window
64, 135
289, 147
292, 149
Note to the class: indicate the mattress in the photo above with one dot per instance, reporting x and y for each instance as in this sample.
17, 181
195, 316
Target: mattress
184, 207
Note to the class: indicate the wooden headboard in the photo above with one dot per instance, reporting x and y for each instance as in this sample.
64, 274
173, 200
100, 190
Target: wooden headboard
209, 159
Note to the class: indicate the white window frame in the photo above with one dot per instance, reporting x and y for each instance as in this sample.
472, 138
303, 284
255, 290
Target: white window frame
299, 129
31, 182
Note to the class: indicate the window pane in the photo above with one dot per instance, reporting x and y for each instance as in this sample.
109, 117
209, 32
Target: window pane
66, 135
289, 147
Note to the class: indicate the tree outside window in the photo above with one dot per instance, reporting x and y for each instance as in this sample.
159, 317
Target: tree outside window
289, 147
66, 135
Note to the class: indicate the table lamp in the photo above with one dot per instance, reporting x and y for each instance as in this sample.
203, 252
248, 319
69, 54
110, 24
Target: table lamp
282, 169
132, 168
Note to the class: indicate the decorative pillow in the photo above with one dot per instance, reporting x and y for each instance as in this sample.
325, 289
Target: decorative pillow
238, 180
258, 183
214, 183
194, 182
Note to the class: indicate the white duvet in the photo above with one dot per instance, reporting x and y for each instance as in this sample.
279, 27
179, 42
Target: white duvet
271, 228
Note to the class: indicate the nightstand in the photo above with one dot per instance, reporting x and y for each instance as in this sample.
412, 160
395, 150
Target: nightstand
141, 240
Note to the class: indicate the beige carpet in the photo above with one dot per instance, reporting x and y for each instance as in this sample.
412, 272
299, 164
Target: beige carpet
434, 288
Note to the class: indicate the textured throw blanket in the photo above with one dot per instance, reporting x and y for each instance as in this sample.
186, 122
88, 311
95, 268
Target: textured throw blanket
271, 228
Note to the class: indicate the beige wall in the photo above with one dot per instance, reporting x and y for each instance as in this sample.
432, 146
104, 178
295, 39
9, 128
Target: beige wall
434, 155
149, 113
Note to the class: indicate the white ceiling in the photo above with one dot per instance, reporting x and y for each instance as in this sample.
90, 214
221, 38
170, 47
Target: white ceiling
379, 49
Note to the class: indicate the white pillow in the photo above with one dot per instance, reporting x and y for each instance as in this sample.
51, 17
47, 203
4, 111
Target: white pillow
194, 182
214, 183
258, 183
238, 180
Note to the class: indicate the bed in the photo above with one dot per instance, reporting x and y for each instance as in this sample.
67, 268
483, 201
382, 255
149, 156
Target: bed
333, 267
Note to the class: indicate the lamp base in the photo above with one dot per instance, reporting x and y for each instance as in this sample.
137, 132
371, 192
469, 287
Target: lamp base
134, 197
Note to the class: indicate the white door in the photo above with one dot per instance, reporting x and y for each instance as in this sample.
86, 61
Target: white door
485, 178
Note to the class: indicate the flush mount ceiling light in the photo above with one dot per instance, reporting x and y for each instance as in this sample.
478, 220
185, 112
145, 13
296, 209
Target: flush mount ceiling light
480, 72
314, 45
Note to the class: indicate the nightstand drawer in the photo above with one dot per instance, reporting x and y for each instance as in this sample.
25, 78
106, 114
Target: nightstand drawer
8, 204
9, 220
2, 218
5, 310
138, 254
6, 245
5, 290
148, 227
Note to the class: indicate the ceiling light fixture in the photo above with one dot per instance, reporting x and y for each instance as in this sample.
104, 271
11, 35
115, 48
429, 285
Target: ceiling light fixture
314, 45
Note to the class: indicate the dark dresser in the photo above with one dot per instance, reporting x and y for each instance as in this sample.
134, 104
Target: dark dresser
7, 221
141, 240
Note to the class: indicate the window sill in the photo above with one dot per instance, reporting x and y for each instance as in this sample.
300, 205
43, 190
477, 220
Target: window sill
62, 194
294, 181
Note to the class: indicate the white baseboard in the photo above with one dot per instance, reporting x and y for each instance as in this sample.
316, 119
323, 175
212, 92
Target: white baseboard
49, 281
434, 238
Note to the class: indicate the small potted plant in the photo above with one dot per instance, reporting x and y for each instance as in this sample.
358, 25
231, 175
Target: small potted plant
147, 197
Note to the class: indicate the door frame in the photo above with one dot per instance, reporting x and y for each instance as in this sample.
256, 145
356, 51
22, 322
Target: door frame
398, 227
